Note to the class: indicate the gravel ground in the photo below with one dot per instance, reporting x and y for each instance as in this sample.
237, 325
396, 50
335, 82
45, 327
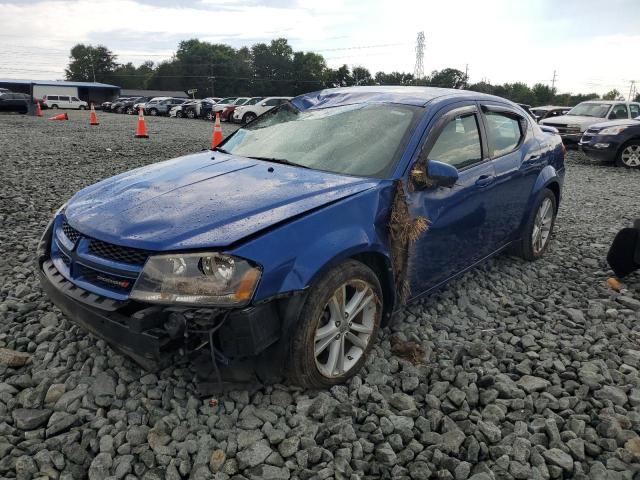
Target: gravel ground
530, 371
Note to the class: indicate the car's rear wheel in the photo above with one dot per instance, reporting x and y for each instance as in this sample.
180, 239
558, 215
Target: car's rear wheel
129, 111
54, 107
179, 114
537, 231
249, 117
337, 326
82, 107
629, 155
191, 114
153, 112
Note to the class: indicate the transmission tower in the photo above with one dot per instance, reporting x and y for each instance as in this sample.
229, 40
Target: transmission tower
418, 72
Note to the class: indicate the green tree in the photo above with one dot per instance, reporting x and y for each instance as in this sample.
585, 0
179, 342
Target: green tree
361, 76
393, 78
448, 78
88, 63
542, 94
341, 77
483, 87
611, 95
637, 97
308, 71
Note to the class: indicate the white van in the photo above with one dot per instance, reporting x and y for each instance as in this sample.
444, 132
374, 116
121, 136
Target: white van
63, 101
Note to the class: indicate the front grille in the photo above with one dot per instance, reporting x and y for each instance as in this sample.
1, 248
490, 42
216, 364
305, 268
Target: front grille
71, 233
117, 253
66, 260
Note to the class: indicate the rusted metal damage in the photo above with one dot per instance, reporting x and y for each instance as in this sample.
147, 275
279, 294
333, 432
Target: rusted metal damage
404, 230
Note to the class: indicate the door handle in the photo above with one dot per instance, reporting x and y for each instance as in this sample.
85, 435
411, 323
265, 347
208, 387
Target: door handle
484, 180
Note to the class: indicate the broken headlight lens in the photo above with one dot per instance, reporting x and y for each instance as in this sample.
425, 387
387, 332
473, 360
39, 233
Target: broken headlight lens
196, 279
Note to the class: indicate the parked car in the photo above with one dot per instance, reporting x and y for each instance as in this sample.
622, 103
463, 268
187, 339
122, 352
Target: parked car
297, 238
106, 106
219, 107
162, 105
127, 105
575, 122
180, 111
14, 102
549, 111
207, 109
248, 113
63, 101
616, 141
227, 113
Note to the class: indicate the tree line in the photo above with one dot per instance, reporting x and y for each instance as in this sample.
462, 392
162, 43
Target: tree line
274, 68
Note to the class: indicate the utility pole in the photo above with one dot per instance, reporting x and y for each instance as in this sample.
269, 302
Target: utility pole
633, 82
92, 69
211, 78
553, 82
418, 71
466, 75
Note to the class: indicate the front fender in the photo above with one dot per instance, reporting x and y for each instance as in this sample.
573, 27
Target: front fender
294, 254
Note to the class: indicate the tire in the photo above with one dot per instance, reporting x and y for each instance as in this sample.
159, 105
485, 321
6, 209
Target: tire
179, 114
191, 114
629, 155
153, 112
209, 116
81, 107
54, 107
322, 371
129, 111
529, 248
249, 117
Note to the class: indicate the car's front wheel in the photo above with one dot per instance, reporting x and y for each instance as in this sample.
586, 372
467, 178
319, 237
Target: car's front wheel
82, 107
249, 117
153, 112
337, 326
191, 114
537, 231
629, 155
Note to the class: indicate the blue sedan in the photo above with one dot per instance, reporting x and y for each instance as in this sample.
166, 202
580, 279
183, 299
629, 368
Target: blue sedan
292, 243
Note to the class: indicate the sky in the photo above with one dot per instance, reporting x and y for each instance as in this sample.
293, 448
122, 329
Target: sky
592, 45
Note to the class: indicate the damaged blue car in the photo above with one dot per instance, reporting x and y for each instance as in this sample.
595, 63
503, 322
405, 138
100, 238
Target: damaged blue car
290, 245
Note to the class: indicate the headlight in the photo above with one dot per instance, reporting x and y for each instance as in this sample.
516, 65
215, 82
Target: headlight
612, 130
196, 279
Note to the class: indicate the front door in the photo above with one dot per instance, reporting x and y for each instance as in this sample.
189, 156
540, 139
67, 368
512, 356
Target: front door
459, 233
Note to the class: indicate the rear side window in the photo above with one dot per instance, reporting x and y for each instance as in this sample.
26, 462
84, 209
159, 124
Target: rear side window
272, 102
635, 110
459, 142
75, 99
52, 97
504, 132
64, 99
619, 111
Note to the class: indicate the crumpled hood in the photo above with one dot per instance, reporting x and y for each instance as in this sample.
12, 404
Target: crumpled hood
201, 201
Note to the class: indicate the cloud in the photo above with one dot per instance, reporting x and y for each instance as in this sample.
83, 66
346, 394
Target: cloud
500, 40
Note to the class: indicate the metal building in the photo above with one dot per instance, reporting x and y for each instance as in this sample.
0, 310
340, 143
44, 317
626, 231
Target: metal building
87, 91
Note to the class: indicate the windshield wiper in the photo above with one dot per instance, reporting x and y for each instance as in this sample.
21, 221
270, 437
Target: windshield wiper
279, 160
221, 150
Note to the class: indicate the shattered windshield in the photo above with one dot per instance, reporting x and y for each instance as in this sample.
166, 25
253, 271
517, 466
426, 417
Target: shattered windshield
590, 110
362, 139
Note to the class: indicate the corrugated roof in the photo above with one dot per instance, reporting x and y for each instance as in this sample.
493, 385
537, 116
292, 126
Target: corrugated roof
60, 83
133, 92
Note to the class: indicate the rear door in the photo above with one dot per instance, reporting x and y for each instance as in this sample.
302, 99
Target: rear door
458, 230
516, 156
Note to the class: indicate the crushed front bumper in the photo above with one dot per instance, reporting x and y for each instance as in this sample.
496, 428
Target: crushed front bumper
149, 334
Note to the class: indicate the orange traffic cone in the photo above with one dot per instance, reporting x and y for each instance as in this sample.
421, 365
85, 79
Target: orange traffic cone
93, 117
142, 127
217, 133
62, 116
38, 110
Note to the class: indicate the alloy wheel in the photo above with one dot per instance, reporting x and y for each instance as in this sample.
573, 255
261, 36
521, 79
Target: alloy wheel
542, 226
345, 328
631, 156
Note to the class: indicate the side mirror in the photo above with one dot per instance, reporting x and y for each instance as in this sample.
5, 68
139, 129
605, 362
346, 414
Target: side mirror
441, 174
263, 104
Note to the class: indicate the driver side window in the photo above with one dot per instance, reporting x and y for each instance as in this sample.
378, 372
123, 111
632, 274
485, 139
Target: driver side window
619, 111
458, 143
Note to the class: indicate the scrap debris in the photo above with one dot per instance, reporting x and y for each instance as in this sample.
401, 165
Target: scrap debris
12, 358
404, 230
614, 284
409, 350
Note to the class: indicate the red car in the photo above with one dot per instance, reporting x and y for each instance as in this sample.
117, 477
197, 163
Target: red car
227, 114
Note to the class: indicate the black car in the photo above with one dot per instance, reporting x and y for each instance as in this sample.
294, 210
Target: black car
14, 102
549, 111
106, 106
615, 141
126, 106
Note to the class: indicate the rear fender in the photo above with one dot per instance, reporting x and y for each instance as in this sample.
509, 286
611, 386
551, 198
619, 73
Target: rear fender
547, 178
